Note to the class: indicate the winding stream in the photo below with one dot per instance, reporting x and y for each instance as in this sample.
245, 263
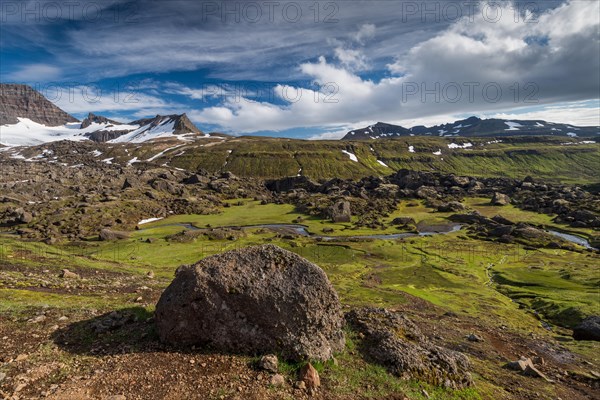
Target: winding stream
302, 230
573, 239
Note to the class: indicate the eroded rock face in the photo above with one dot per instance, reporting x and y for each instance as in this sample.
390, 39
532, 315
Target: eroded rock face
259, 299
394, 341
24, 102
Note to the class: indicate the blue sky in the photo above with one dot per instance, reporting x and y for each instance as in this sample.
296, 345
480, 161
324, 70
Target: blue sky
308, 69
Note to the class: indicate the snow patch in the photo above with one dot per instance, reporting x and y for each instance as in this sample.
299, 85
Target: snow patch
162, 152
29, 133
411, 149
437, 153
352, 156
512, 126
148, 220
382, 163
459, 146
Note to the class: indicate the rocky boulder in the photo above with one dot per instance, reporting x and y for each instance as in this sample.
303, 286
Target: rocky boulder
500, 199
427, 192
452, 206
109, 234
588, 329
259, 299
340, 211
403, 221
395, 342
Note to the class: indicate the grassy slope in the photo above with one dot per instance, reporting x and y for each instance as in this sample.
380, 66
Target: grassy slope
545, 158
447, 270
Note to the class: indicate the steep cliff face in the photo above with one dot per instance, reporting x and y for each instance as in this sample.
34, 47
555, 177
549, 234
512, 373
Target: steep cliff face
24, 102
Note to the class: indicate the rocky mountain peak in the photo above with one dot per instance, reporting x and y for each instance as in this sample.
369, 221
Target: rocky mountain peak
22, 101
181, 123
99, 119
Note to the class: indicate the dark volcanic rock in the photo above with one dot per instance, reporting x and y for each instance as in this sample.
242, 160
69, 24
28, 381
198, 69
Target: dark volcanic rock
23, 101
291, 183
588, 329
260, 299
403, 221
452, 206
394, 341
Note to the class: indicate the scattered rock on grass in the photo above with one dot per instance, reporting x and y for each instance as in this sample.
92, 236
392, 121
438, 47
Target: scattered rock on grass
526, 367
394, 341
474, 338
66, 274
310, 376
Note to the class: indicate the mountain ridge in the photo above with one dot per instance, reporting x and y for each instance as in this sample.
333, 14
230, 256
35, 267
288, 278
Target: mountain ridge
474, 127
28, 118
22, 101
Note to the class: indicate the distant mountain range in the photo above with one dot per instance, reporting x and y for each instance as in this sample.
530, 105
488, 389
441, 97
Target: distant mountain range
472, 127
28, 118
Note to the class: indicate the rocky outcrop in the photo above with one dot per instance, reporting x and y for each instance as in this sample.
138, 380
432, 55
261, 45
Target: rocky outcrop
291, 183
97, 119
395, 342
500, 199
403, 221
108, 234
588, 329
102, 135
16, 216
24, 102
260, 299
340, 211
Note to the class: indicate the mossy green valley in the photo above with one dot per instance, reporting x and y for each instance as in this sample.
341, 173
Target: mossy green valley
495, 265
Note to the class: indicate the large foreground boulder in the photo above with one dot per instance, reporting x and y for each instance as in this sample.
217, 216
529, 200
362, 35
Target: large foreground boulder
395, 342
259, 299
588, 329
